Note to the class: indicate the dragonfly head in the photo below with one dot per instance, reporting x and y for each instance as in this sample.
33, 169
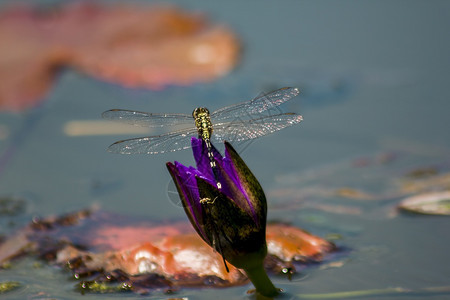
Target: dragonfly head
199, 111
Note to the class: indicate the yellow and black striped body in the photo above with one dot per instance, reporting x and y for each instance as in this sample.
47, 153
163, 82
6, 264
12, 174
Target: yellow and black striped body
203, 123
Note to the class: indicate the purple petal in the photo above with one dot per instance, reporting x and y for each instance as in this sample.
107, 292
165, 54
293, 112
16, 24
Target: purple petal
200, 151
228, 166
202, 161
185, 177
216, 154
235, 192
226, 174
231, 171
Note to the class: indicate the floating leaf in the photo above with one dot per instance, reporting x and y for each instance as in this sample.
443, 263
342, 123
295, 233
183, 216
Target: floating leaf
437, 203
109, 253
146, 46
7, 286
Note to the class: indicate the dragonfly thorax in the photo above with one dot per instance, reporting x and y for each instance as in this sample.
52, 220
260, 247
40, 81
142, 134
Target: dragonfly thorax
203, 122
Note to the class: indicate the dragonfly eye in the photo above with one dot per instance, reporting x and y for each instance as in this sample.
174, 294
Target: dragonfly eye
195, 112
200, 110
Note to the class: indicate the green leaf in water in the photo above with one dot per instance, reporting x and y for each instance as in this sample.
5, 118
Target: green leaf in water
7, 286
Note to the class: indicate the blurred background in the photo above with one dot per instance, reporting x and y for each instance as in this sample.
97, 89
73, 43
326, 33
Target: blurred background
373, 77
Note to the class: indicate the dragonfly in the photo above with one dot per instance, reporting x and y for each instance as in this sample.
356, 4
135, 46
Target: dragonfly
239, 122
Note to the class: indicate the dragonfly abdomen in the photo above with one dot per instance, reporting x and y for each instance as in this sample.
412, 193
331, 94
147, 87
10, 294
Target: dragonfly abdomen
212, 162
205, 129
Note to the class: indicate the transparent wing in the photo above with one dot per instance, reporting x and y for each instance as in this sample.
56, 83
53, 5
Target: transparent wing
258, 105
169, 142
254, 128
147, 119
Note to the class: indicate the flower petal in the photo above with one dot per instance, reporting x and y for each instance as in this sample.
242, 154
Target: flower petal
202, 161
185, 182
233, 189
248, 182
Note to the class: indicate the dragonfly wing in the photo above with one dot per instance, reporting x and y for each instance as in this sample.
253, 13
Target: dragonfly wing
254, 128
169, 142
259, 105
147, 119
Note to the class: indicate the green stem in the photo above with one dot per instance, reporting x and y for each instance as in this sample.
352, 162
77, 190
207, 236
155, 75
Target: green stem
261, 281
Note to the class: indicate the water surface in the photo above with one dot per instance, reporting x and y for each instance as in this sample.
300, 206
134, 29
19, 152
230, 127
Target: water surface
374, 77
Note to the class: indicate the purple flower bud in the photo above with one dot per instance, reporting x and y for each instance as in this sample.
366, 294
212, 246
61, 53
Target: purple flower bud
232, 218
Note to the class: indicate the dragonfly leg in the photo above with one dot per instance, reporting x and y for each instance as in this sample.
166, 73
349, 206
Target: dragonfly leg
207, 200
